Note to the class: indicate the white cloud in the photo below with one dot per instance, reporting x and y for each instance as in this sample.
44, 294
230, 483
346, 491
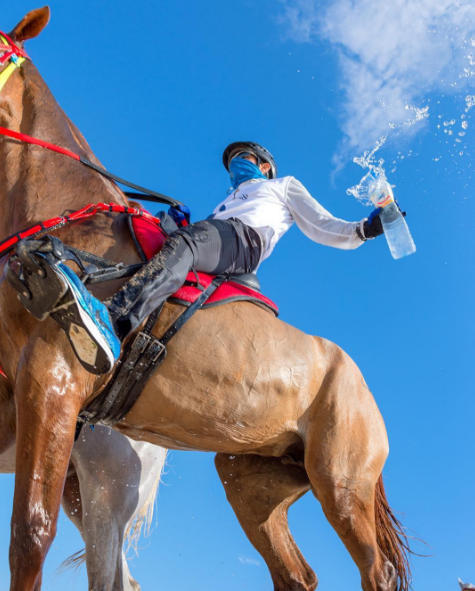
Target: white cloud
391, 54
248, 561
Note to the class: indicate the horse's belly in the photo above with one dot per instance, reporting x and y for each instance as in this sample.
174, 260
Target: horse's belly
235, 380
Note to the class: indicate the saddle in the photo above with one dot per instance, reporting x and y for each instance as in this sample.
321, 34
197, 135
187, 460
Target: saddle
34, 279
149, 239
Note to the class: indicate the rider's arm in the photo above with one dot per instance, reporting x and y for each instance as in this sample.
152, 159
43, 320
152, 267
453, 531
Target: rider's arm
317, 223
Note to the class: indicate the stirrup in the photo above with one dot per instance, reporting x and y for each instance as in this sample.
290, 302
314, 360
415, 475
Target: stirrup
87, 324
39, 286
47, 287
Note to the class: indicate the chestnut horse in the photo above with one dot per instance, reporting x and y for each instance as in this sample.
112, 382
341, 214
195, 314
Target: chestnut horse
286, 412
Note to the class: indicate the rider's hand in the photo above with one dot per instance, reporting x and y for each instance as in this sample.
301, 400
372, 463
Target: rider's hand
180, 214
373, 227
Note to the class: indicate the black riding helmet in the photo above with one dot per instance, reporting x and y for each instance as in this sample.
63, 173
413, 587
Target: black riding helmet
262, 154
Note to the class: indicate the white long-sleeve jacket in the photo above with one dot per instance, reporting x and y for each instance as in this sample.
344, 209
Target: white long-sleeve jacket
272, 206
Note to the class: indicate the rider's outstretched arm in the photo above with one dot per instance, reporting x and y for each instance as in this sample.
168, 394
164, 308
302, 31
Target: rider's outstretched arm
319, 224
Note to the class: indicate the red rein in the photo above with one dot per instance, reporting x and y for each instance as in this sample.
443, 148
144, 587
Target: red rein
22, 137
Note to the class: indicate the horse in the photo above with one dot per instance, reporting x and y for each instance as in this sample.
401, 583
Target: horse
109, 496
286, 412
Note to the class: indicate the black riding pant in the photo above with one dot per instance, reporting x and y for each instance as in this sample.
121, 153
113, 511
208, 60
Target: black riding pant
212, 246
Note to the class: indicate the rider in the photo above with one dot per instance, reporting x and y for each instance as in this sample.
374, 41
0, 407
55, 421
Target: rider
240, 234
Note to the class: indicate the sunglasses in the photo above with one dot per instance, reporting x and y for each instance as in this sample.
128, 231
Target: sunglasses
245, 155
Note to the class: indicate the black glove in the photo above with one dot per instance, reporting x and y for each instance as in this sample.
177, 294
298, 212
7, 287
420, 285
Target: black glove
373, 227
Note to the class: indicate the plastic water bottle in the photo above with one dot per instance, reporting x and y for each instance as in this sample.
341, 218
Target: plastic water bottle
395, 228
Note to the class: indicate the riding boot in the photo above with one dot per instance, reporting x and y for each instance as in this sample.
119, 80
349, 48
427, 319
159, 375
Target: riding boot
146, 291
211, 246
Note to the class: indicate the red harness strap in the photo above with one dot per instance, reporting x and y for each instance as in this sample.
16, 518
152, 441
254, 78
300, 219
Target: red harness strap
11, 50
86, 212
22, 137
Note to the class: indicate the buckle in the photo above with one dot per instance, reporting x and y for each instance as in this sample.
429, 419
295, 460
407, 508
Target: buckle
161, 349
141, 341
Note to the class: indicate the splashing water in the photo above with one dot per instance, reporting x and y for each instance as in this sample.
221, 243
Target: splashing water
376, 170
376, 167
470, 100
419, 115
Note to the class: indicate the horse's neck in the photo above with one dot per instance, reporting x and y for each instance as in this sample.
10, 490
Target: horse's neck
40, 184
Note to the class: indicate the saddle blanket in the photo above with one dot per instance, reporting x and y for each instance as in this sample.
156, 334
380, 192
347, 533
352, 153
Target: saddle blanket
149, 239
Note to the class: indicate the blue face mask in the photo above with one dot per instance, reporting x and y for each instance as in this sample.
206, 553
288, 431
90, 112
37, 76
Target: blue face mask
241, 170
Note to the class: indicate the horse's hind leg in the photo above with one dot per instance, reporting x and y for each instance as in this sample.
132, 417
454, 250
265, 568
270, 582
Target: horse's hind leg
108, 470
260, 490
345, 450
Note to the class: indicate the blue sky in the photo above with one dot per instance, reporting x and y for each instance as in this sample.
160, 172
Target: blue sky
159, 89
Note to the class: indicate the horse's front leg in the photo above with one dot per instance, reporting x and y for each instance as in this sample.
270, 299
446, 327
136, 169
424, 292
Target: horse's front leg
48, 398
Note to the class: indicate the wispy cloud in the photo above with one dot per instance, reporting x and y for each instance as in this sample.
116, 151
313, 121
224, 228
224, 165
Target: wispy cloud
391, 54
248, 561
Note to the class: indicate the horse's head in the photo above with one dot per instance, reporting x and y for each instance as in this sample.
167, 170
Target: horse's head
13, 57
12, 53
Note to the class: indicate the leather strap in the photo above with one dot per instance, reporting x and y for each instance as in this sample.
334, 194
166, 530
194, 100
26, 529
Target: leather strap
188, 313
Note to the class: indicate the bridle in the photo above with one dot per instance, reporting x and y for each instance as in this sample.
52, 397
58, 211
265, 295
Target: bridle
14, 55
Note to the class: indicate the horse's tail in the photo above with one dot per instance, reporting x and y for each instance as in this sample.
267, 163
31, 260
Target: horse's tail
143, 518
74, 562
392, 540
